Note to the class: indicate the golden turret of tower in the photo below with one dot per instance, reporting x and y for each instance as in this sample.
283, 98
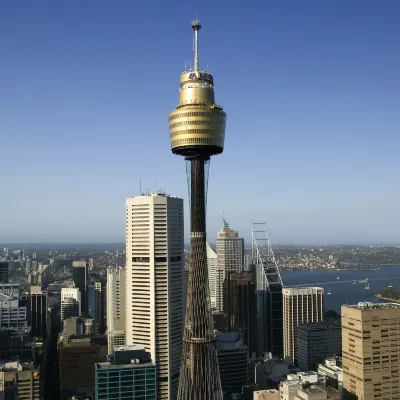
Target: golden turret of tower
197, 125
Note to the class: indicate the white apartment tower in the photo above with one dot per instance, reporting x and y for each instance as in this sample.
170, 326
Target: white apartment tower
230, 252
155, 283
115, 307
70, 303
212, 264
300, 306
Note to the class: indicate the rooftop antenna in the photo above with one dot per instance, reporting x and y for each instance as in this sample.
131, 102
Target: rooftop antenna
196, 27
140, 186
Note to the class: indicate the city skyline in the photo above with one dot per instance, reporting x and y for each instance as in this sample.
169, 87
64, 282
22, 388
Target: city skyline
320, 123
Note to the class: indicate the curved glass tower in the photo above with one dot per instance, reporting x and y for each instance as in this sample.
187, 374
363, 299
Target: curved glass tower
197, 132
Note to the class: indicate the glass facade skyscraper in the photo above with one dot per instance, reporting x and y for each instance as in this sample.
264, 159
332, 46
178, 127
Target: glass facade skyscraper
130, 374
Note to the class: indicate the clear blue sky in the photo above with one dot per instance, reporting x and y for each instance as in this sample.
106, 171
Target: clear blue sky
311, 89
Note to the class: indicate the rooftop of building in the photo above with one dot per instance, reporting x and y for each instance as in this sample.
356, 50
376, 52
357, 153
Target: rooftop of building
312, 389
321, 325
132, 347
243, 277
6, 366
232, 337
133, 364
302, 290
367, 305
157, 193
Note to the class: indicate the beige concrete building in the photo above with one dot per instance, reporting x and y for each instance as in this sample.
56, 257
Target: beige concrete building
311, 393
371, 350
116, 284
230, 252
155, 283
300, 306
270, 394
19, 381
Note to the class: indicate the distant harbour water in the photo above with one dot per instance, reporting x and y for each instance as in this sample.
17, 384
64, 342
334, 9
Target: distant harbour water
343, 289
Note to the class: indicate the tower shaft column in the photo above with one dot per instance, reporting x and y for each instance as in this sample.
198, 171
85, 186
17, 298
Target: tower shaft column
199, 377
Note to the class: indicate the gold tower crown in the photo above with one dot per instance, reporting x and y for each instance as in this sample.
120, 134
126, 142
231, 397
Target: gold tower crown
197, 125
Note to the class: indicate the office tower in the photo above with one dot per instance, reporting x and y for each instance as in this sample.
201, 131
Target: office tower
99, 306
116, 284
19, 380
37, 312
247, 261
78, 326
27, 267
212, 264
12, 313
129, 374
77, 367
316, 341
230, 251
4, 271
80, 278
240, 306
70, 303
268, 293
91, 297
332, 373
34, 266
197, 132
91, 264
154, 283
300, 306
115, 338
370, 351
233, 361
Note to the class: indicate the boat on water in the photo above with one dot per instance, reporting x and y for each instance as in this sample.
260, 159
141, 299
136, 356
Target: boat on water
390, 285
354, 282
329, 291
367, 287
338, 277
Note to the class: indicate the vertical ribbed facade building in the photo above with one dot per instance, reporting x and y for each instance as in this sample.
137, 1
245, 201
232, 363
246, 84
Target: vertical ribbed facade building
116, 284
99, 306
212, 264
371, 351
155, 283
230, 252
300, 306
37, 312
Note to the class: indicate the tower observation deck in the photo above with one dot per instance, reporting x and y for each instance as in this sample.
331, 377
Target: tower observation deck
197, 132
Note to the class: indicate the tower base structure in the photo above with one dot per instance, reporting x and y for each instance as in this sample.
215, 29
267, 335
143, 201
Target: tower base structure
199, 376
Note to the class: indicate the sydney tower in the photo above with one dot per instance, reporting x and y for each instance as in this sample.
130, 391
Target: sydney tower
197, 131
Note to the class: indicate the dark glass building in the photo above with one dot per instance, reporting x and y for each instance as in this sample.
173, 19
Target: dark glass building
4, 269
316, 341
233, 362
37, 312
240, 305
80, 278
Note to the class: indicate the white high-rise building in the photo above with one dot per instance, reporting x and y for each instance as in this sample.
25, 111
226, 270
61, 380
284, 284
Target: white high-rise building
301, 305
230, 252
70, 303
212, 264
115, 307
155, 283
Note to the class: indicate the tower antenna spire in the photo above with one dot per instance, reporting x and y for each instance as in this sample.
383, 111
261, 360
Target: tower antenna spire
196, 25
